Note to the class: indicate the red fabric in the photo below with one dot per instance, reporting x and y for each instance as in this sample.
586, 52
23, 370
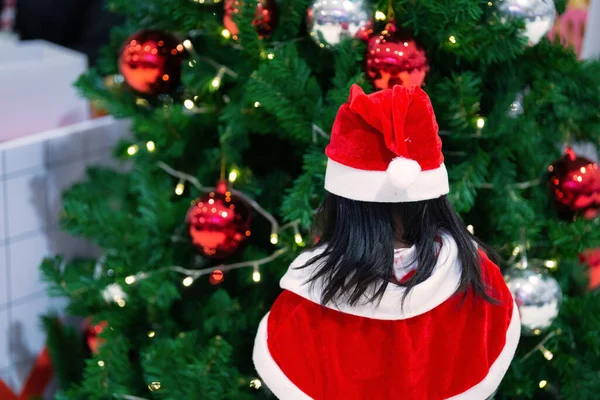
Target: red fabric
36, 383
371, 130
444, 352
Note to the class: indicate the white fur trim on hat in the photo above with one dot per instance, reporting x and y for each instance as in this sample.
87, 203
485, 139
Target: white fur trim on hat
380, 186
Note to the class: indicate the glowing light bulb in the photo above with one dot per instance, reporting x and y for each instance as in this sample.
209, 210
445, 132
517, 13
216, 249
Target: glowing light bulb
516, 250
130, 280
274, 238
216, 82
270, 56
226, 34
550, 264
480, 122
154, 386
256, 104
471, 229
233, 175
151, 334
121, 303
179, 189
187, 44
536, 332
255, 383
131, 150
188, 281
101, 363
452, 39
298, 238
547, 353
543, 384
151, 146
256, 275
189, 104
380, 16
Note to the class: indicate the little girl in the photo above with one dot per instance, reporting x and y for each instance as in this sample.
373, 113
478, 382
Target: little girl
397, 301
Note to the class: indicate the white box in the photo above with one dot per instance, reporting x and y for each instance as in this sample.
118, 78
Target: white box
36, 88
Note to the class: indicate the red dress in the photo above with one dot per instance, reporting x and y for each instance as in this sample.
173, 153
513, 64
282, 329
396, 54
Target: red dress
440, 345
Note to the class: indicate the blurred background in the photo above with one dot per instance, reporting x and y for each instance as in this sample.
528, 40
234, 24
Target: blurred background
50, 134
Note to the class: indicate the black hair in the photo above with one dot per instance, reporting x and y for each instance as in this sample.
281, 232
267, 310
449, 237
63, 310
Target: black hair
359, 239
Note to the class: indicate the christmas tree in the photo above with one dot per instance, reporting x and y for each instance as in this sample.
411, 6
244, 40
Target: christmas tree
231, 105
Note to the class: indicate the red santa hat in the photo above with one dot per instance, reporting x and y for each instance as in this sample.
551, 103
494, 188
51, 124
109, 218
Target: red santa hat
385, 148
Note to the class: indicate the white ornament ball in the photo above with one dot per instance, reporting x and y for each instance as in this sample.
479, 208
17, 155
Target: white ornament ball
114, 293
331, 21
538, 15
537, 295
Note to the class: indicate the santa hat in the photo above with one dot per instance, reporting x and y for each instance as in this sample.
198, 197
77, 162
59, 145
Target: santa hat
385, 148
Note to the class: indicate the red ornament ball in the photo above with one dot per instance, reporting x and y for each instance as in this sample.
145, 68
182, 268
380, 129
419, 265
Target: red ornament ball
91, 333
265, 17
150, 62
575, 184
395, 58
218, 223
591, 258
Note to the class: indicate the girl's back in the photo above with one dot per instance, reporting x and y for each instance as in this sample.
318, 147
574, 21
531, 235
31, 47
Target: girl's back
398, 301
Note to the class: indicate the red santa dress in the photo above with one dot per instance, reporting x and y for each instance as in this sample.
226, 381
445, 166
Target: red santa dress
439, 345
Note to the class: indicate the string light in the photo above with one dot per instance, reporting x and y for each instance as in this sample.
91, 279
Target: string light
471, 229
226, 34
179, 188
151, 334
547, 353
256, 104
191, 63
256, 274
154, 386
188, 281
233, 175
298, 238
543, 384
550, 264
131, 150
130, 280
536, 332
101, 363
270, 56
151, 146
452, 39
255, 383
216, 82
516, 251
187, 44
380, 16
274, 238
121, 303
480, 123
189, 104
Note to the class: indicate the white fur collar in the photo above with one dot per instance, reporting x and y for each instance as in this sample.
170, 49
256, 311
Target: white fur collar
440, 286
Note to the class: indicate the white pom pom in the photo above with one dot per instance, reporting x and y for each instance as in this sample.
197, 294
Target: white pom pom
403, 172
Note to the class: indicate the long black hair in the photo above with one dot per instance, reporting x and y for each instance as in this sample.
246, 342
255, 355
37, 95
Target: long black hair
359, 239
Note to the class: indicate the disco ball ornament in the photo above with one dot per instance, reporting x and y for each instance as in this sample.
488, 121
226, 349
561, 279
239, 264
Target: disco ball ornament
537, 295
265, 17
218, 223
538, 16
329, 22
150, 62
575, 185
395, 58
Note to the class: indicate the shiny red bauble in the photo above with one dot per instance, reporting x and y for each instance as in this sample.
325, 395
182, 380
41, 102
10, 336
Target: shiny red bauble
91, 333
575, 184
265, 16
150, 62
395, 58
219, 223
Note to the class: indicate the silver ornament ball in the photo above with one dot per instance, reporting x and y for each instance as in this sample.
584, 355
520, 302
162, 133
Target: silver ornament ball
538, 16
537, 295
331, 21
516, 107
